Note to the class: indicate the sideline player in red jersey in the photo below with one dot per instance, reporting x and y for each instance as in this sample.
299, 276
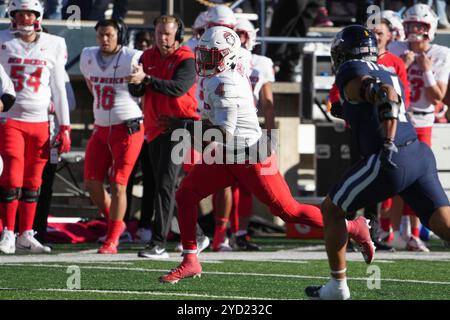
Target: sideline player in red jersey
35, 62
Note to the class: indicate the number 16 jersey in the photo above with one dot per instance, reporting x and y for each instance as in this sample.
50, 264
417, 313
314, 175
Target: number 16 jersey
113, 104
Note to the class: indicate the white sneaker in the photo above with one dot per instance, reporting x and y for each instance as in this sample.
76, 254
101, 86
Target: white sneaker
224, 246
202, 243
332, 290
27, 242
143, 235
415, 244
398, 242
8, 242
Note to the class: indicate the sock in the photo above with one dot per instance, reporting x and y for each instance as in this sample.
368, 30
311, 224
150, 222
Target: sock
415, 232
9, 210
219, 232
115, 229
385, 224
27, 211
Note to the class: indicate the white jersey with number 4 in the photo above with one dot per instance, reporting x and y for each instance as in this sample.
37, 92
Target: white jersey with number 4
440, 57
113, 104
37, 71
228, 102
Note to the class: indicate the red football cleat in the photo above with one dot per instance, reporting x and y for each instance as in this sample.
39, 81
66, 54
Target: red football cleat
108, 248
189, 267
362, 237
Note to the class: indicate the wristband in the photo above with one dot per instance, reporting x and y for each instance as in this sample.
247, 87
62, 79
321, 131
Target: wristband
429, 79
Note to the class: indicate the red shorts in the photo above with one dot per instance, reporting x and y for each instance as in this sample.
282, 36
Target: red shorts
112, 152
25, 151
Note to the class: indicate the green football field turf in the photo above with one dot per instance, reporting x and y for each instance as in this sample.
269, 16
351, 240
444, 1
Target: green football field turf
221, 279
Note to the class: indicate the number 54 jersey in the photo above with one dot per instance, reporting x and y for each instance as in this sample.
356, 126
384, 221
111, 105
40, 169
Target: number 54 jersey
37, 71
113, 104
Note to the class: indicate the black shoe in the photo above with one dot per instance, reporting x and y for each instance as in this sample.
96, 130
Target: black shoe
154, 252
313, 291
382, 247
243, 243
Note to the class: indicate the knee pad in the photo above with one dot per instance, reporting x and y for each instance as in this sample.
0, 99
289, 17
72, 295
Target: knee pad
30, 195
9, 194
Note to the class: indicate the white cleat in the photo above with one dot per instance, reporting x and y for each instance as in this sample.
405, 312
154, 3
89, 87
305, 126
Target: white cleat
27, 242
8, 242
417, 245
202, 244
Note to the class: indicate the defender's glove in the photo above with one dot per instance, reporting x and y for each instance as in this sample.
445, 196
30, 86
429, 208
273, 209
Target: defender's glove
386, 153
62, 140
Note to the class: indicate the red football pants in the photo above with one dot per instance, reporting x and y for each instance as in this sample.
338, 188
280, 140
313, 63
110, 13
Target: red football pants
270, 189
113, 152
24, 148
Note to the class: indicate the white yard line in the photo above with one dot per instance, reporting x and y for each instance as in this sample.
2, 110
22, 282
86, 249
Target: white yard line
149, 293
227, 273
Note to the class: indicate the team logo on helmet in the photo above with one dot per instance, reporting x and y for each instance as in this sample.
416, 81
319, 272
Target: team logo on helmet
229, 38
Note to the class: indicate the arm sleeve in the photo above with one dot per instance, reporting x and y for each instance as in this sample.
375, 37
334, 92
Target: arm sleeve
183, 79
58, 85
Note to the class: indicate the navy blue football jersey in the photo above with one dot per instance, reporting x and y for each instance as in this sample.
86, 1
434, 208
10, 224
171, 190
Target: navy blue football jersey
366, 128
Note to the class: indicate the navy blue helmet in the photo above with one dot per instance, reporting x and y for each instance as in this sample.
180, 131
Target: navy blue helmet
353, 42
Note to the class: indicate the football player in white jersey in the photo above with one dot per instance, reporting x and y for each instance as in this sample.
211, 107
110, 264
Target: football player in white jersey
220, 15
35, 63
232, 118
428, 67
118, 134
261, 75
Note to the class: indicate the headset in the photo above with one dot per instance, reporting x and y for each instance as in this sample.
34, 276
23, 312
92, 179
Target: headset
179, 36
120, 26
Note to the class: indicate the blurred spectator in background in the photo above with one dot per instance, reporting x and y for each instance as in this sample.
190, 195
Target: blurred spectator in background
99, 7
322, 19
291, 19
143, 40
53, 9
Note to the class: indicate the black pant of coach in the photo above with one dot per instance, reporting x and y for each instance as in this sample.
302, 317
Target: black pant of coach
166, 174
